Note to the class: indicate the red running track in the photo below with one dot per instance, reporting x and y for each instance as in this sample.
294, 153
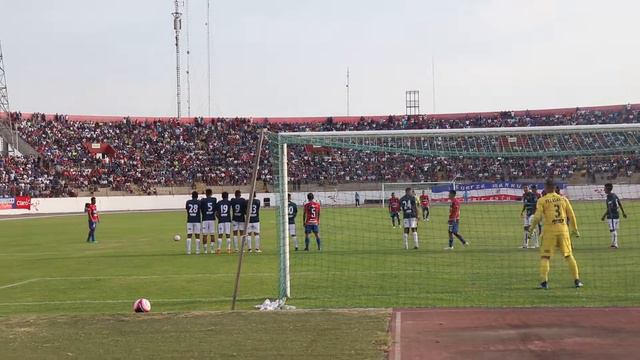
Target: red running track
540, 333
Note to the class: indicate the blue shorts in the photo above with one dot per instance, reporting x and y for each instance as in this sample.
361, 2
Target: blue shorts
311, 229
395, 215
453, 226
92, 225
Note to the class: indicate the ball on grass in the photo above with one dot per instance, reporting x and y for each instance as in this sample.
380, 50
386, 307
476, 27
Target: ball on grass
142, 305
176, 237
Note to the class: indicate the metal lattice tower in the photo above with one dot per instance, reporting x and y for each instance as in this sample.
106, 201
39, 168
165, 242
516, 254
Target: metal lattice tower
209, 57
4, 95
186, 10
4, 103
177, 26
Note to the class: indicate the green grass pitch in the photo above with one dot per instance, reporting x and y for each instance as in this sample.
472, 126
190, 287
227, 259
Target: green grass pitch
48, 272
46, 263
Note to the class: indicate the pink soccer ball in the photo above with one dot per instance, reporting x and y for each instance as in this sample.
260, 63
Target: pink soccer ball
142, 305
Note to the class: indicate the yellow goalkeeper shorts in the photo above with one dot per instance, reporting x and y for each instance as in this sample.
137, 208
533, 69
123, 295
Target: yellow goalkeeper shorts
552, 241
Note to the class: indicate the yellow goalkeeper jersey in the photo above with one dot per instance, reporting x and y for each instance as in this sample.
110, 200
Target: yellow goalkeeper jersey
556, 214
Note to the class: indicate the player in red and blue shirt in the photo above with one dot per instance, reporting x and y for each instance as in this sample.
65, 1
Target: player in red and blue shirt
94, 219
311, 219
454, 220
424, 203
394, 209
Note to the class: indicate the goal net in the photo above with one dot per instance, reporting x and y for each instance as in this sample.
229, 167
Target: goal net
430, 193
366, 261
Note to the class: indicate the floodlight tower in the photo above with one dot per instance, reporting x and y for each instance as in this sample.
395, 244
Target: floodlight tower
4, 98
208, 24
186, 10
177, 26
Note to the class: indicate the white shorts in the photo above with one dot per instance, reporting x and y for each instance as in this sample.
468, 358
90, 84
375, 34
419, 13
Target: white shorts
292, 229
253, 228
224, 228
613, 224
410, 223
208, 227
193, 228
238, 226
528, 220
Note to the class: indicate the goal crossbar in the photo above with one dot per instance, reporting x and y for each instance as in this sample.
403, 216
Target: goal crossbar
552, 141
566, 129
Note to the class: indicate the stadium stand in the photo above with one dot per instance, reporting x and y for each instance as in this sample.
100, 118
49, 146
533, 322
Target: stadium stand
152, 153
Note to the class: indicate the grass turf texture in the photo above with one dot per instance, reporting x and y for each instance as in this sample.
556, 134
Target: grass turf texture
47, 268
221, 335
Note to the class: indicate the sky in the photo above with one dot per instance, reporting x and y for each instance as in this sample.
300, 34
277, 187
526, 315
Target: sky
290, 57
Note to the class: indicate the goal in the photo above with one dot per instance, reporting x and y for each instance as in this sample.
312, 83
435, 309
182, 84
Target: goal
362, 262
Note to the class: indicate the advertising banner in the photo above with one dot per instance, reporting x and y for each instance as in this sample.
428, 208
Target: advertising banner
18, 202
499, 191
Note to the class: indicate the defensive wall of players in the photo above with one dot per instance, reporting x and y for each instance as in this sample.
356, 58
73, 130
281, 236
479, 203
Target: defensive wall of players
335, 198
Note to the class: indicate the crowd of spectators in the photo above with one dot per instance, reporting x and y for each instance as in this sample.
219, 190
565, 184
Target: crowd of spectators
155, 154
27, 175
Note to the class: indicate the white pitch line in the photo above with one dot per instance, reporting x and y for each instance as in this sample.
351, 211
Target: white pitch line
150, 276
62, 302
32, 253
43, 216
396, 352
19, 283
63, 278
106, 277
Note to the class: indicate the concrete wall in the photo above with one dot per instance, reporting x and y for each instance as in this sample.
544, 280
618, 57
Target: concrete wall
177, 202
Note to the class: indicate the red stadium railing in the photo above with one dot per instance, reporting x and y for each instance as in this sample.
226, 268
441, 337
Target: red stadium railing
354, 119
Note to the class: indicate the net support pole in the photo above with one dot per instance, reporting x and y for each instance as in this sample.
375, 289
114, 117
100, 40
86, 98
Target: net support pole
254, 178
285, 275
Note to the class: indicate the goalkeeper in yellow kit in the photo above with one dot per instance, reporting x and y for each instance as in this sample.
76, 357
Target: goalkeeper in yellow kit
557, 216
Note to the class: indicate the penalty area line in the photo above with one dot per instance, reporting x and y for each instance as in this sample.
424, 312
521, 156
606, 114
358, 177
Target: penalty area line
164, 276
19, 283
63, 302
67, 278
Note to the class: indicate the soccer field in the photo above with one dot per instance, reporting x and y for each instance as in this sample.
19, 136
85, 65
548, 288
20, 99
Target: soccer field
57, 292
47, 268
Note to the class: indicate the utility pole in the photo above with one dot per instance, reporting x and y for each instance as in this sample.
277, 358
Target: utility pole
433, 78
348, 91
208, 23
177, 26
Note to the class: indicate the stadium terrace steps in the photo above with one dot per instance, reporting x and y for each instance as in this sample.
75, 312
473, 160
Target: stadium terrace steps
9, 137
